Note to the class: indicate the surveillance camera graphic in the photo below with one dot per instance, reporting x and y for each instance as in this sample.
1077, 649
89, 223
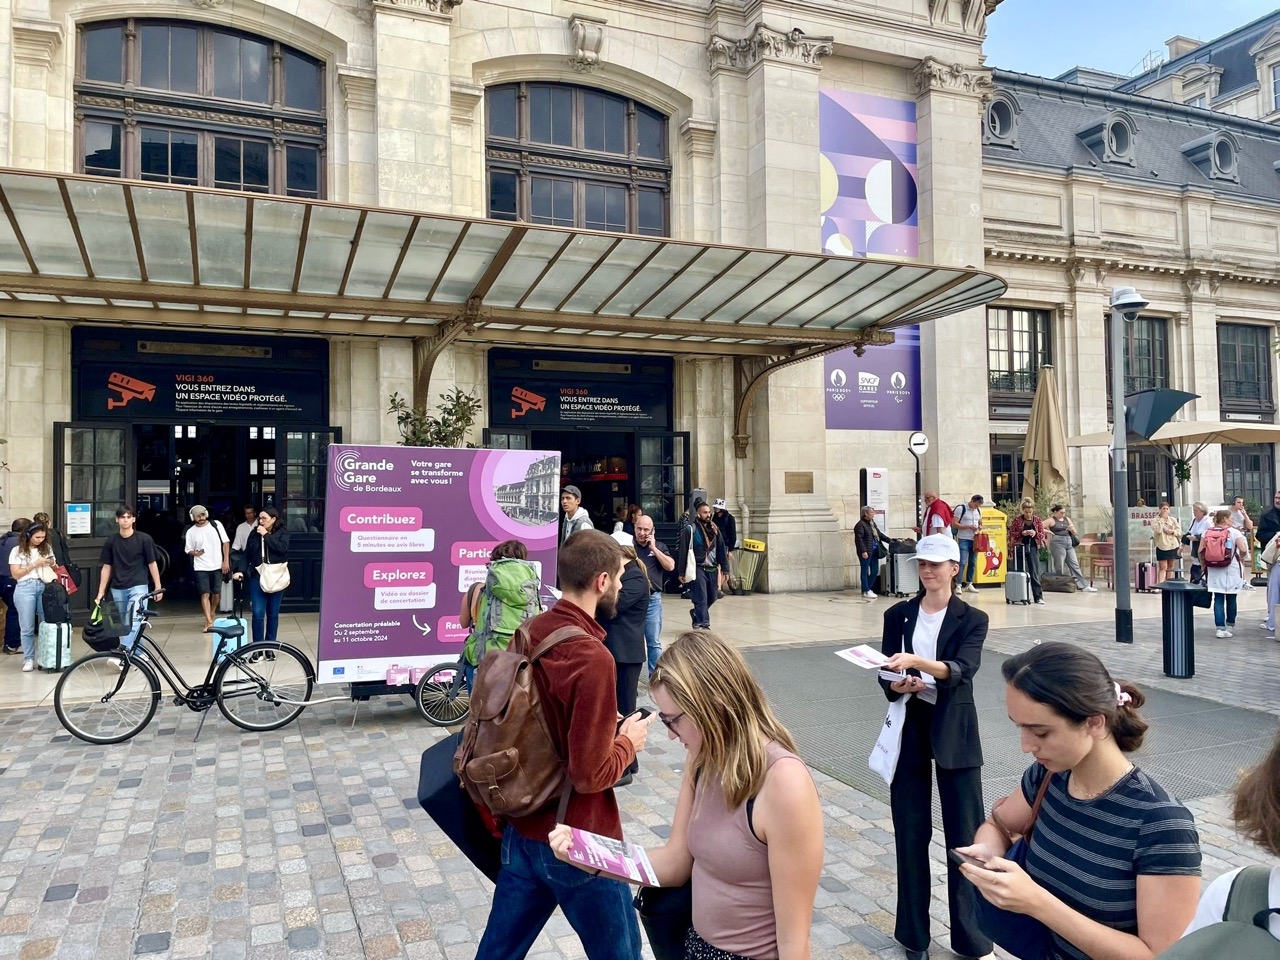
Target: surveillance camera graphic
129, 388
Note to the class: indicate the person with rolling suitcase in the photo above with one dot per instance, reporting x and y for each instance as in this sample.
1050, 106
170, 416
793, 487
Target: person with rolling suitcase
1026, 536
31, 563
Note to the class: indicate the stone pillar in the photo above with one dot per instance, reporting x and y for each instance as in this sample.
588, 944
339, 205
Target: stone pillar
1082, 343
40, 138
953, 351
772, 107
360, 149
1193, 342
414, 118
699, 213
468, 150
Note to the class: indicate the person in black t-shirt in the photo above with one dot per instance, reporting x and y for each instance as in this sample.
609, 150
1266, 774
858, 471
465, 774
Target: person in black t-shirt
128, 559
658, 562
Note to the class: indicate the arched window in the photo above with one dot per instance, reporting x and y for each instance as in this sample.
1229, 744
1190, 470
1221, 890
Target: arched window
178, 102
577, 157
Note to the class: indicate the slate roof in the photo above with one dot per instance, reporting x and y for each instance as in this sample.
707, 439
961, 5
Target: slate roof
1053, 112
1230, 52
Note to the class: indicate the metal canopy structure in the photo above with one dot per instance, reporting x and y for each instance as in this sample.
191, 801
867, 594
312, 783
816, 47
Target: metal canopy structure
107, 250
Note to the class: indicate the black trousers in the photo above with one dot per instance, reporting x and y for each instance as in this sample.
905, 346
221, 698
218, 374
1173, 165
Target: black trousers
1028, 557
911, 800
628, 679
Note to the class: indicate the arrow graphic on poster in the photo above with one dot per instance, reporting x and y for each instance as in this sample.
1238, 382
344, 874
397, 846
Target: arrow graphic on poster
425, 628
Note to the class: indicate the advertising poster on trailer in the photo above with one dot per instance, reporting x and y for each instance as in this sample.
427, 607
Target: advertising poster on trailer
409, 530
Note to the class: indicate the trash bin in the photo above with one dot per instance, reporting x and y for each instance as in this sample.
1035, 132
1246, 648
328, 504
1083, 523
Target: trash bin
751, 555
1177, 608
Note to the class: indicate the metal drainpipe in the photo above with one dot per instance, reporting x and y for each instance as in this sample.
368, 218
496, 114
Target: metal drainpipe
739, 476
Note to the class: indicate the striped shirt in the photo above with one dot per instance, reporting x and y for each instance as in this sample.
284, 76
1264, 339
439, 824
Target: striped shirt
1089, 853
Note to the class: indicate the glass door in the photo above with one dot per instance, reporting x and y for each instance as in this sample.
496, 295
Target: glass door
662, 478
300, 491
505, 438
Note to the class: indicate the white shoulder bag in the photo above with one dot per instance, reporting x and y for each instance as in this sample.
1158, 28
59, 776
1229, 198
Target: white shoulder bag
272, 577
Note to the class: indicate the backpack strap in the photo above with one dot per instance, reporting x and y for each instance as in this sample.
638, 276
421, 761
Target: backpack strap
553, 638
1249, 896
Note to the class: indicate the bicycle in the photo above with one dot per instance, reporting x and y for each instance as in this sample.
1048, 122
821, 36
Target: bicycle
111, 695
442, 695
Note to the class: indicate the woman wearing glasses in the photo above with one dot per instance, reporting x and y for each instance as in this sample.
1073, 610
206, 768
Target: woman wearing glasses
268, 543
748, 823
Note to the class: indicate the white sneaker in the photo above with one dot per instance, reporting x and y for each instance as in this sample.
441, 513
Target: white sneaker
28, 666
1221, 634
870, 594
959, 590
1090, 589
973, 588
1041, 601
1228, 632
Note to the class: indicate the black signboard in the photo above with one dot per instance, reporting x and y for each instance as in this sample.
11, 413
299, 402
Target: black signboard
199, 390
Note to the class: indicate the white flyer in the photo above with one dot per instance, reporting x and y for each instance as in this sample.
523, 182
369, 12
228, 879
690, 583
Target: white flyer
864, 656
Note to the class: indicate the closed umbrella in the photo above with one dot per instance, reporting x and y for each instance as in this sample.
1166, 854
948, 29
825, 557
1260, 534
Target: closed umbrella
1046, 435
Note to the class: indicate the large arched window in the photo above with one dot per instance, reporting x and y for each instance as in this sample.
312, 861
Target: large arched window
178, 102
577, 157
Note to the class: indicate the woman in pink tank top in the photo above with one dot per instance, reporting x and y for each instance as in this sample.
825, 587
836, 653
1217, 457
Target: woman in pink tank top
748, 824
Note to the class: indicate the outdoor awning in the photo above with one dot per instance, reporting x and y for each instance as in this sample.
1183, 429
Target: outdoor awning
86, 248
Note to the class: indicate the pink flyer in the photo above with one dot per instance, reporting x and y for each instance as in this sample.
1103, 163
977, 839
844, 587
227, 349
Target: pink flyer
617, 857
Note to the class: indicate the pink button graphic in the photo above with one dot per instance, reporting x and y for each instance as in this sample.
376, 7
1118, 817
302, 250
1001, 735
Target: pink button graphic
397, 574
449, 630
465, 553
380, 518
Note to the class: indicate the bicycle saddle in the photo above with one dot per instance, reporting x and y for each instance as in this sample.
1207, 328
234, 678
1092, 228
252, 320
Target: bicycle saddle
227, 633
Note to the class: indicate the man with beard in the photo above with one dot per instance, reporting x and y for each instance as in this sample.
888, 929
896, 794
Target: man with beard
576, 686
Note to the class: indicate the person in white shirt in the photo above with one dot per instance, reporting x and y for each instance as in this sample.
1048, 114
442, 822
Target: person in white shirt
241, 538
31, 563
209, 548
967, 521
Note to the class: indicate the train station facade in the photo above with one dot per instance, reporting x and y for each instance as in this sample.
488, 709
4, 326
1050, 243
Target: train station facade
717, 142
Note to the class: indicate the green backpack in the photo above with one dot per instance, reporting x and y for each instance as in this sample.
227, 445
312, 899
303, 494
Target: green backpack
1242, 934
509, 598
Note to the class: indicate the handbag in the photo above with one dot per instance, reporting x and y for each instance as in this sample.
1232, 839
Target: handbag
691, 565
667, 916
1075, 541
1023, 936
1271, 551
272, 577
884, 755
46, 573
981, 542
107, 616
442, 796
66, 578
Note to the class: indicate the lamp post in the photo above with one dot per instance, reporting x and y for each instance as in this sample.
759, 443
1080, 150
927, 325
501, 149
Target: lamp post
1126, 304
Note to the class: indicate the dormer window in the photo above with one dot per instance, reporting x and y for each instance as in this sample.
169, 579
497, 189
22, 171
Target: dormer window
1215, 155
1111, 139
1000, 125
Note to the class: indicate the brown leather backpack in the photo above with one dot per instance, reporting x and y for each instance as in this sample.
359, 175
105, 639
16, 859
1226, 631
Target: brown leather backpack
508, 761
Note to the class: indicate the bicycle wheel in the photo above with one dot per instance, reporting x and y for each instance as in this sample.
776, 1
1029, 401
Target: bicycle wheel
104, 698
263, 686
442, 696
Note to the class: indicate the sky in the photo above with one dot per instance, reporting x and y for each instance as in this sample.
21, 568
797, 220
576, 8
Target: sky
1047, 37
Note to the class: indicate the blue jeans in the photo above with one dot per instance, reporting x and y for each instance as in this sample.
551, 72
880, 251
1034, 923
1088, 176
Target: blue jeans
703, 590
653, 629
28, 597
533, 883
1219, 621
870, 570
968, 561
124, 597
265, 607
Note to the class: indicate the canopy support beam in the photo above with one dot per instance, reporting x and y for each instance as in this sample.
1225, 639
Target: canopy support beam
426, 350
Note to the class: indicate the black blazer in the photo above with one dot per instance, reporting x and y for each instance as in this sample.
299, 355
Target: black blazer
954, 731
624, 633
277, 549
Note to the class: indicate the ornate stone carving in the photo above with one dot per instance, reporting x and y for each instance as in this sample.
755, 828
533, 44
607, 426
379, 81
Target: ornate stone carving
933, 74
765, 43
973, 13
587, 35
429, 6
36, 41
699, 137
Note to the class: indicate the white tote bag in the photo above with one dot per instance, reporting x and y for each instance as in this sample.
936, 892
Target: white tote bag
690, 566
272, 577
884, 755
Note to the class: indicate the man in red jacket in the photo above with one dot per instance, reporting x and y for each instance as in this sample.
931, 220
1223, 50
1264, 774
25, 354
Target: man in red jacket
576, 686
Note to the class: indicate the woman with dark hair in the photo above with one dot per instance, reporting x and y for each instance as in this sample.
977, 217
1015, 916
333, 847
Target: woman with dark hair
268, 543
31, 564
702, 540
1112, 865
935, 640
624, 634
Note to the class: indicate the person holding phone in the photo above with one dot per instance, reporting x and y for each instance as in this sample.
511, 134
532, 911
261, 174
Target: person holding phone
268, 543
1026, 536
31, 563
1112, 865
936, 639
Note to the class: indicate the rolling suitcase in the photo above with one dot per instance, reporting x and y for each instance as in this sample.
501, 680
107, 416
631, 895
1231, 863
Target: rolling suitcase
1144, 577
53, 646
1017, 582
900, 576
234, 643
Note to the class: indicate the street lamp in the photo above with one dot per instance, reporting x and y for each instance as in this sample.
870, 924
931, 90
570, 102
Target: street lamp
1126, 304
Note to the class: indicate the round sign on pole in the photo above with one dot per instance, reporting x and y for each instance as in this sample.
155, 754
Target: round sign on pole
918, 444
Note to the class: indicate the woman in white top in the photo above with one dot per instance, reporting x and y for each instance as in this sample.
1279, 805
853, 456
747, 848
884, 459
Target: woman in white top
1257, 816
32, 555
1224, 582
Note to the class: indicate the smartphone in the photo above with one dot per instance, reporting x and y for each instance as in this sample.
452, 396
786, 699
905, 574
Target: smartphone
640, 712
965, 858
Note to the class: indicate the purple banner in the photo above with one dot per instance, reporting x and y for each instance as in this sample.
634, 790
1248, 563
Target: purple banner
409, 530
879, 390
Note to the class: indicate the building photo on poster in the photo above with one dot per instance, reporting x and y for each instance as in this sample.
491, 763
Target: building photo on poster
410, 529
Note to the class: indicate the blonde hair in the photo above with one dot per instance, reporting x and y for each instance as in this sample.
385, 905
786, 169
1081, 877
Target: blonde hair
711, 683
1027, 502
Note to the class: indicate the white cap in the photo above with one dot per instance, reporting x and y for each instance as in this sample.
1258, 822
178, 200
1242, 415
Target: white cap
719, 504
937, 548
624, 538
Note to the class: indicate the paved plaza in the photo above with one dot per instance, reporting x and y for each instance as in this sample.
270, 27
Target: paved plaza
308, 842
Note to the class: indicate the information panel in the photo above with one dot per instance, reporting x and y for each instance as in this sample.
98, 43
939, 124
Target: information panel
409, 529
